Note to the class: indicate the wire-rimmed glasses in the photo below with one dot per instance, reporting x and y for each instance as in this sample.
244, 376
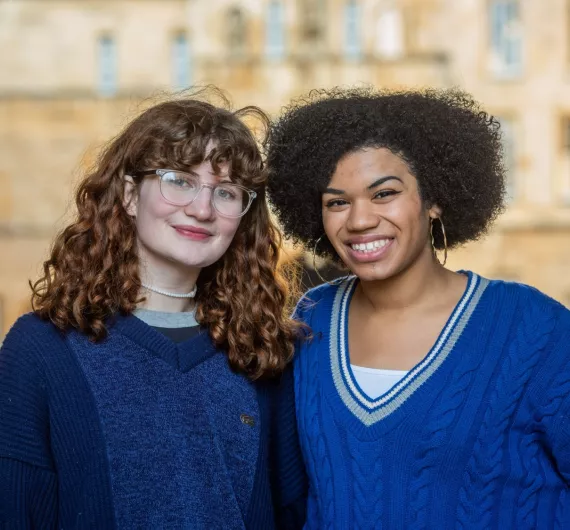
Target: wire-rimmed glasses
181, 189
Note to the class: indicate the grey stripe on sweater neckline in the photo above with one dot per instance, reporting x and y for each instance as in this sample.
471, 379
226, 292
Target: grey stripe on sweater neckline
163, 319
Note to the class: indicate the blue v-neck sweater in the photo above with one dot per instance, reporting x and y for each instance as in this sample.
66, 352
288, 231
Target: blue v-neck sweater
140, 432
476, 436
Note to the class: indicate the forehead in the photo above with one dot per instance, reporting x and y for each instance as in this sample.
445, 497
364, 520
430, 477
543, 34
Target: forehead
216, 170
208, 173
369, 163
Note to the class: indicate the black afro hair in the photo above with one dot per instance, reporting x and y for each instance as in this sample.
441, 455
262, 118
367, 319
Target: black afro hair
451, 145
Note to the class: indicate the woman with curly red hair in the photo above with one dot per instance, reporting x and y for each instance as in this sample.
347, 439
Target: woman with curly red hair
140, 392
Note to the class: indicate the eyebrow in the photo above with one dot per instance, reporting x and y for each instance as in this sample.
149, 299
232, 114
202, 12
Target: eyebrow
382, 180
376, 183
223, 179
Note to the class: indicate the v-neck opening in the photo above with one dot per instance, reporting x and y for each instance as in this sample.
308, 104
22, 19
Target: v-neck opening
182, 356
369, 410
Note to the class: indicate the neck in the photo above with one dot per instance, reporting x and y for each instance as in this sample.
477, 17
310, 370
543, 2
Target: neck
159, 302
413, 287
172, 280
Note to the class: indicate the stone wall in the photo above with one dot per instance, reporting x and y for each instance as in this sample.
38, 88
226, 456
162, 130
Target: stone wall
54, 119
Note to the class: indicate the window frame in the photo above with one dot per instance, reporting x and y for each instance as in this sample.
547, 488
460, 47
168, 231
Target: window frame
107, 52
352, 29
275, 47
505, 38
181, 60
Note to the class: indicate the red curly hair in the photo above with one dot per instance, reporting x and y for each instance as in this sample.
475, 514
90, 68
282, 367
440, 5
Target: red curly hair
93, 270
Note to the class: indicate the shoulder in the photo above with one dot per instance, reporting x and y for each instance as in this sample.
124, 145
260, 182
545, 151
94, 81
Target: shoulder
526, 297
31, 344
25, 386
538, 320
31, 332
321, 298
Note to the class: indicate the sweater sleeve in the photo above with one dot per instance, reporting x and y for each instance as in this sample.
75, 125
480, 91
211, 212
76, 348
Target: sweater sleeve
555, 416
28, 496
554, 412
28, 481
290, 483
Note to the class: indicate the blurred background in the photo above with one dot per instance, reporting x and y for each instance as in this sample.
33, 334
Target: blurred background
73, 72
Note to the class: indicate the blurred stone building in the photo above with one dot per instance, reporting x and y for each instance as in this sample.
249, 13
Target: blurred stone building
73, 72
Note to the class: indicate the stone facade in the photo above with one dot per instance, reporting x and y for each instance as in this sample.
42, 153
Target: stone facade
72, 73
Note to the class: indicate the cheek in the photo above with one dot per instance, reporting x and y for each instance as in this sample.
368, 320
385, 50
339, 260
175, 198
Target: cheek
332, 222
152, 214
149, 204
227, 228
407, 215
415, 225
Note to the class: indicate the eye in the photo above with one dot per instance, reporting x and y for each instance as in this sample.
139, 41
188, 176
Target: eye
383, 194
227, 193
335, 204
179, 180
180, 183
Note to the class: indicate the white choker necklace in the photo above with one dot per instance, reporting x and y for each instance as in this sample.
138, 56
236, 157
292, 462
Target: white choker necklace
191, 294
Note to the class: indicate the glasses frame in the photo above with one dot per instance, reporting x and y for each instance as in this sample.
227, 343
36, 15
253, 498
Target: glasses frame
161, 172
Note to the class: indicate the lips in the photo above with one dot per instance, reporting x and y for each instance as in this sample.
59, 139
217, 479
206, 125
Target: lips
365, 239
367, 249
192, 232
370, 246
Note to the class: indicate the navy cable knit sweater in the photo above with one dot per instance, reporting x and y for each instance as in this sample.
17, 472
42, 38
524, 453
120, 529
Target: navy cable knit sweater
140, 432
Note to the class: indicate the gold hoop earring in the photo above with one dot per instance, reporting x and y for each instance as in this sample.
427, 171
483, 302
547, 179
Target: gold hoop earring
315, 268
434, 250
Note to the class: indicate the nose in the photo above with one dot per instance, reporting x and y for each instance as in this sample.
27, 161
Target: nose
201, 207
361, 217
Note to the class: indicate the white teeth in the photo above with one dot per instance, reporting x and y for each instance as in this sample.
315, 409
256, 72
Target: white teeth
369, 247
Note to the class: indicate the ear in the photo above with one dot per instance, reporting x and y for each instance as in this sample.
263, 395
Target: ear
130, 196
435, 212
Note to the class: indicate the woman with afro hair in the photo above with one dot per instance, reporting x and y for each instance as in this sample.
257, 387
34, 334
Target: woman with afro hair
425, 398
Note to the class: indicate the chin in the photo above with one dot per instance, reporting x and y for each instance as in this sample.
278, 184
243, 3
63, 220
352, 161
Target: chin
367, 273
371, 276
193, 263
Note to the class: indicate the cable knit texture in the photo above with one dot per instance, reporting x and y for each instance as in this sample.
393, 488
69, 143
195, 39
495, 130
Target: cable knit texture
139, 432
482, 443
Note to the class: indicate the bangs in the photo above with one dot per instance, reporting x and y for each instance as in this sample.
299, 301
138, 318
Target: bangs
186, 142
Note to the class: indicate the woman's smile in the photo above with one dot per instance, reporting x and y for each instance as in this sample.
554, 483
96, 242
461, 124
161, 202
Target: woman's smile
368, 249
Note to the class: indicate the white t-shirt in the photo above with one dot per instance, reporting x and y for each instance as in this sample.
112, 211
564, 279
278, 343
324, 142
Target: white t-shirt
374, 381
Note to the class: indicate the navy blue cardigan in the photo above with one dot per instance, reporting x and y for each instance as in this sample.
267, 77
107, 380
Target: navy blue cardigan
138, 431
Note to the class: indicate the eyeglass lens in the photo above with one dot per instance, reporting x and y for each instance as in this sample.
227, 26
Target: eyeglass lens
181, 188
